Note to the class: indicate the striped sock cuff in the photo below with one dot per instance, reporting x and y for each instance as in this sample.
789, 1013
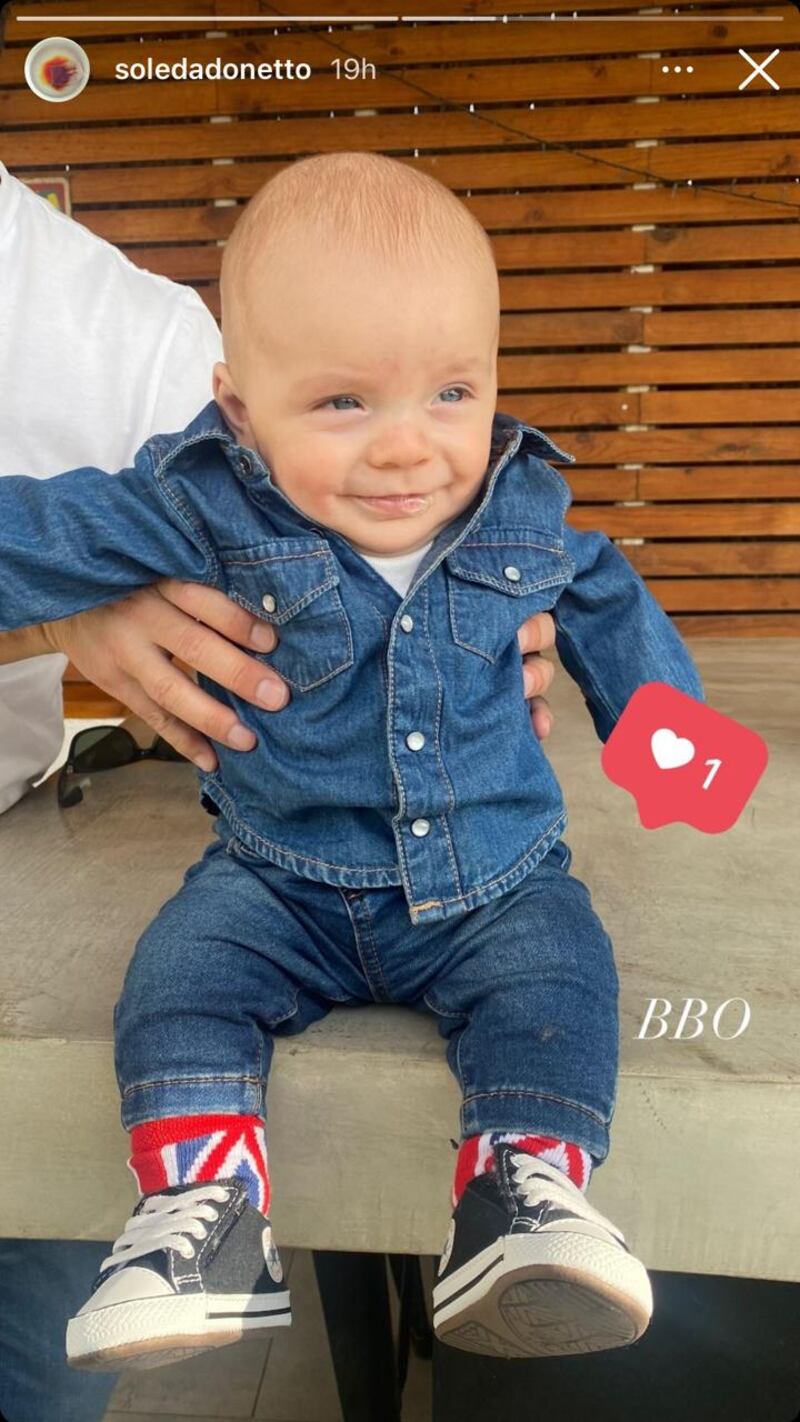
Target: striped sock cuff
185, 1150
476, 1156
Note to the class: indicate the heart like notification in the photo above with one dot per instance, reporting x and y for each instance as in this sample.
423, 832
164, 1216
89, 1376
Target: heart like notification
682, 760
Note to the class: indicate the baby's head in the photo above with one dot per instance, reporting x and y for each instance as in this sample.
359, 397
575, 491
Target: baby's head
360, 322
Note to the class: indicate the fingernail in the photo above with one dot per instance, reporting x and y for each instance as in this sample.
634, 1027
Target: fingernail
262, 637
241, 739
271, 694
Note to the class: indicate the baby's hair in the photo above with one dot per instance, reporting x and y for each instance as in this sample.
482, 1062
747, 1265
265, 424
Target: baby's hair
376, 205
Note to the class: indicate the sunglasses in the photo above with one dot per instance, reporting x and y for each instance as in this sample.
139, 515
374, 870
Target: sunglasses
105, 748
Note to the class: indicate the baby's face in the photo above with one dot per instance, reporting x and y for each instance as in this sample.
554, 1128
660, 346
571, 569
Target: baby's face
370, 395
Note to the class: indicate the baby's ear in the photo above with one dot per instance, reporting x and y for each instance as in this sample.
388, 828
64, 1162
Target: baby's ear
225, 395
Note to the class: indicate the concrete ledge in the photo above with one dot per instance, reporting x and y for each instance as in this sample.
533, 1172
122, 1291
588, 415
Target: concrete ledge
693, 1187
705, 1158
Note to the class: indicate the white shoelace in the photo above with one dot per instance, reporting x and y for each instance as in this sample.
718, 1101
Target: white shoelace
165, 1222
535, 1187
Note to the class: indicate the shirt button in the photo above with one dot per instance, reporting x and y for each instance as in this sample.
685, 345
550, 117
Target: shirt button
268, 602
406, 622
415, 741
245, 464
420, 828
513, 574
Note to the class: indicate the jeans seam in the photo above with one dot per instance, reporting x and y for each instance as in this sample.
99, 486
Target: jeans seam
467, 1022
213, 1078
372, 968
536, 1096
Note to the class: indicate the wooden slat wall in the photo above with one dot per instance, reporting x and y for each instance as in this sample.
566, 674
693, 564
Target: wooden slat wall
645, 225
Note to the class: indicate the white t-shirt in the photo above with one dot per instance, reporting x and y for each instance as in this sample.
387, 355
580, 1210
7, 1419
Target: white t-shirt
398, 568
95, 357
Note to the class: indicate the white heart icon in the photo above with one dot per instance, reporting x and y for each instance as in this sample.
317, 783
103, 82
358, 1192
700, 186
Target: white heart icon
669, 750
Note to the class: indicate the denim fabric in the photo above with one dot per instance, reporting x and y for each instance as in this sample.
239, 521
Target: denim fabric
333, 792
524, 990
43, 1282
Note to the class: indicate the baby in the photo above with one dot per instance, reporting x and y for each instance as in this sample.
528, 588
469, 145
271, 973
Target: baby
396, 834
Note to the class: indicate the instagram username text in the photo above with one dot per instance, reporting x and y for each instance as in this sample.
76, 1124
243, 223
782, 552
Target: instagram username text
214, 69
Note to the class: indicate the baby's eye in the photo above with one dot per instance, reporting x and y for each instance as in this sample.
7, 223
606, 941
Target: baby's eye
455, 390
334, 399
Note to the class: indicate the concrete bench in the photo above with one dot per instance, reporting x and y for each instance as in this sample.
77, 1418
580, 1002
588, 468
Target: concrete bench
704, 1140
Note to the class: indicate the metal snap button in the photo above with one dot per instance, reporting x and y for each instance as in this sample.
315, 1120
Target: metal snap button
245, 464
268, 602
406, 622
415, 740
420, 828
513, 574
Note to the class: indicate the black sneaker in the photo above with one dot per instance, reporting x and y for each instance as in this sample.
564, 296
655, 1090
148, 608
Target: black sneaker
531, 1269
195, 1268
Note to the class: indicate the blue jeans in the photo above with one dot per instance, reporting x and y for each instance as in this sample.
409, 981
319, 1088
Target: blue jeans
43, 1282
524, 989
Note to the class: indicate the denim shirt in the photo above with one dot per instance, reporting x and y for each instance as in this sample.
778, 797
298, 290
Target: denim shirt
406, 754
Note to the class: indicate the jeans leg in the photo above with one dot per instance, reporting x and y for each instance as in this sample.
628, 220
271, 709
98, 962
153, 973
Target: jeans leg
42, 1283
528, 1004
229, 961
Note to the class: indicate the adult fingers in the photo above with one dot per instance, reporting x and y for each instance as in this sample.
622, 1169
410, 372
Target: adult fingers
541, 718
220, 612
202, 648
538, 634
184, 738
537, 674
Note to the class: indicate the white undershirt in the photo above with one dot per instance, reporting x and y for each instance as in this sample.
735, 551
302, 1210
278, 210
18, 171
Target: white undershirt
398, 570
96, 356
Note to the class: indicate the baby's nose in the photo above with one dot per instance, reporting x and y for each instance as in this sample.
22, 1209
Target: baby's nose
402, 444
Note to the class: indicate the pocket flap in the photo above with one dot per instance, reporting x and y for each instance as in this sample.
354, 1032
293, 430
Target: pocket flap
277, 580
515, 562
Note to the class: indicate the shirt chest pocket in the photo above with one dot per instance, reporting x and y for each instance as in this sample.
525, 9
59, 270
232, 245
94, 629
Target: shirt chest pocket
499, 579
293, 583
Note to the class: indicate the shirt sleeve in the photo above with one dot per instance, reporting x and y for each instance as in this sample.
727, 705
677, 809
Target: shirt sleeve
183, 379
81, 539
611, 634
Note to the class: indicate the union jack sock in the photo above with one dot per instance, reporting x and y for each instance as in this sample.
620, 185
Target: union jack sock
183, 1150
476, 1156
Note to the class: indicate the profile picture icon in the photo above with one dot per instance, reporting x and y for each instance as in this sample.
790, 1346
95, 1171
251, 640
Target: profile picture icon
57, 70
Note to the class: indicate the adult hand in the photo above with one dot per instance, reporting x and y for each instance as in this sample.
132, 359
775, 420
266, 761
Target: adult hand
536, 636
126, 648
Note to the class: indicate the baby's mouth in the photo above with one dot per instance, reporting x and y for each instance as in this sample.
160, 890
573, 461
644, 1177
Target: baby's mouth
396, 503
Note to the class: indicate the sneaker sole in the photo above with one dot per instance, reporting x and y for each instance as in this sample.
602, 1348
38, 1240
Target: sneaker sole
149, 1333
543, 1295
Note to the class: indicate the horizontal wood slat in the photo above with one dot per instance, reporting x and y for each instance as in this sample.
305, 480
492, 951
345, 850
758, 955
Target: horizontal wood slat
667, 446
727, 594
732, 117
701, 559
528, 172
748, 481
700, 521
741, 286
665, 245
775, 624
